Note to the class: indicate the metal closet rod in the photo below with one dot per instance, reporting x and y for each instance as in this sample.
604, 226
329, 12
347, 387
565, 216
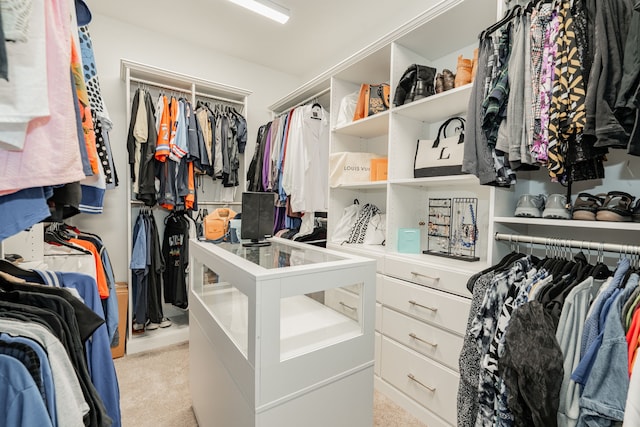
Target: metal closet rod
185, 91
578, 244
317, 95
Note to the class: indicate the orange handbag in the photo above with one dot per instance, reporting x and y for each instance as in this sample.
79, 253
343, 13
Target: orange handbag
373, 98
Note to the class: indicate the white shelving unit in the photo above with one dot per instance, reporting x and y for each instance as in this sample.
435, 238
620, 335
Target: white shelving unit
418, 377
155, 79
416, 292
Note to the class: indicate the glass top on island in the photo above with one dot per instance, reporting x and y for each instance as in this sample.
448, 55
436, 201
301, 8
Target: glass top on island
280, 254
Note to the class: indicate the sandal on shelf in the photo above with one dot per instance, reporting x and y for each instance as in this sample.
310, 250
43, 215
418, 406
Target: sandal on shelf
635, 213
616, 207
586, 206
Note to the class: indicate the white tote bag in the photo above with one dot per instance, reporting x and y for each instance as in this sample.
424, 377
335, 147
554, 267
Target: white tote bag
350, 168
346, 223
440, 156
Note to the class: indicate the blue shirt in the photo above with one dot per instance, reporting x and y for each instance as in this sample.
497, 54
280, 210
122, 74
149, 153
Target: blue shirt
45, 373
22, 209
20, 399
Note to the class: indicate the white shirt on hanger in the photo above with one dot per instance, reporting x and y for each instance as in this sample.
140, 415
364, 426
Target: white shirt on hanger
306, 160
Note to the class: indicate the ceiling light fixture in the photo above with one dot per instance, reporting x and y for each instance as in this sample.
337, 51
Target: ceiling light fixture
265, 8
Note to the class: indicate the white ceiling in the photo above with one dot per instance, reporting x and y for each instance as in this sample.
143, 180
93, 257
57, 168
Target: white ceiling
319, 33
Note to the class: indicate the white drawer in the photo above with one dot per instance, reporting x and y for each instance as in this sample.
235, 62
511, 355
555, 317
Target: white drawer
378, 317
432, 385
377, 349
343, 302
434, 276
431, 341
440, 308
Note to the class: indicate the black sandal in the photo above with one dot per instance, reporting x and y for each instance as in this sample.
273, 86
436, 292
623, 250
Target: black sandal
616, 207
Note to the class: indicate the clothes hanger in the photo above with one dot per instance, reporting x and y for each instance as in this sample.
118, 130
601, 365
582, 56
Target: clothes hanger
15, 271
53, 237
511, 13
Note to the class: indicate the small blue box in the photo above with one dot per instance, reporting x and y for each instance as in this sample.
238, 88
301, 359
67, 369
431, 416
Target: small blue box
409, 240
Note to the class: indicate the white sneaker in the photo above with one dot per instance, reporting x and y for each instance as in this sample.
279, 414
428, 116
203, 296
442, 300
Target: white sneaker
151, 326
164, 323
556, 207
530, 206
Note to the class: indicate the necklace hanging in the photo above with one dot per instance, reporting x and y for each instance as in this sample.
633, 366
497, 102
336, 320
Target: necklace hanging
469, 234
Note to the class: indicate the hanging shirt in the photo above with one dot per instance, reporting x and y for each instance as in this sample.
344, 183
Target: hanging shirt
24, 95
70, 403
307, 156
50, 155
22, 404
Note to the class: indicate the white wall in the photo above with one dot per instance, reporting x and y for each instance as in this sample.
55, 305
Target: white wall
113, 40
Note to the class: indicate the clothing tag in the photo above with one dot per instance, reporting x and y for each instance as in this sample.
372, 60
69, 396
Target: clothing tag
315, 112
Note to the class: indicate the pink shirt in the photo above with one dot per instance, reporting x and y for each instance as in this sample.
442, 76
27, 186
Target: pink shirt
51, 153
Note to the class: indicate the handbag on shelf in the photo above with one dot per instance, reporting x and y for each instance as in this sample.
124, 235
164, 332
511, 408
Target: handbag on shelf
373, 98
345, 223
442, 155
416, 83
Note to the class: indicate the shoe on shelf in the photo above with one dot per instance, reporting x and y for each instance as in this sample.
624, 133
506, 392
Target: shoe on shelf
164, 323
586, 206
556, 207
439, 83
635, 213
474, 64
151, 326
138, 328
530, 206
449, 79
463, 71
616, 207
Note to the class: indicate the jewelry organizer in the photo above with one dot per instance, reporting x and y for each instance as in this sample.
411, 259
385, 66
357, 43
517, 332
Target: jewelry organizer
452, 229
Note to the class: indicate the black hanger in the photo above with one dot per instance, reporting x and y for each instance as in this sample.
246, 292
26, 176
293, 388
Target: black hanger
511, 13
16, 271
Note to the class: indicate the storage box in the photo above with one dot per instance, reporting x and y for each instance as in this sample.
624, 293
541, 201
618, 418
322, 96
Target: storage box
379, 169
350, 168
409, 240
122, 293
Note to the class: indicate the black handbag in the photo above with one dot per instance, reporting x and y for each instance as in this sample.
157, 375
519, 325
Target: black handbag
417, 82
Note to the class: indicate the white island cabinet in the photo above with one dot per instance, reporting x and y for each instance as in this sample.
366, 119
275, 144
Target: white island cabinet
272, 343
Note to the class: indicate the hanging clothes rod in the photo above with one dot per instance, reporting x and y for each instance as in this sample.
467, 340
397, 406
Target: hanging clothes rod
219, 98
159, 85
185, 91
317, 95
578, 244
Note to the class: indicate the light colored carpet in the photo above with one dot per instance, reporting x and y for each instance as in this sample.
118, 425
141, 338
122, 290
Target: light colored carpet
154, 392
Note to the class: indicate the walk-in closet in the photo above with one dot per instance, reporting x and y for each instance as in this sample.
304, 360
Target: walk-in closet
280, 213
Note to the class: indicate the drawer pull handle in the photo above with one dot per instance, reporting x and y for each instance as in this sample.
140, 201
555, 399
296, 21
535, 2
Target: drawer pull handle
412, 302
435, 279
413, 378
415, 337
348, 306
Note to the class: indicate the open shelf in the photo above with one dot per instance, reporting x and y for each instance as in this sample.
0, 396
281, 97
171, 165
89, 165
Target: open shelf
373, 185
437, 107
306, 326
439, 181
177, 333
368, 127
